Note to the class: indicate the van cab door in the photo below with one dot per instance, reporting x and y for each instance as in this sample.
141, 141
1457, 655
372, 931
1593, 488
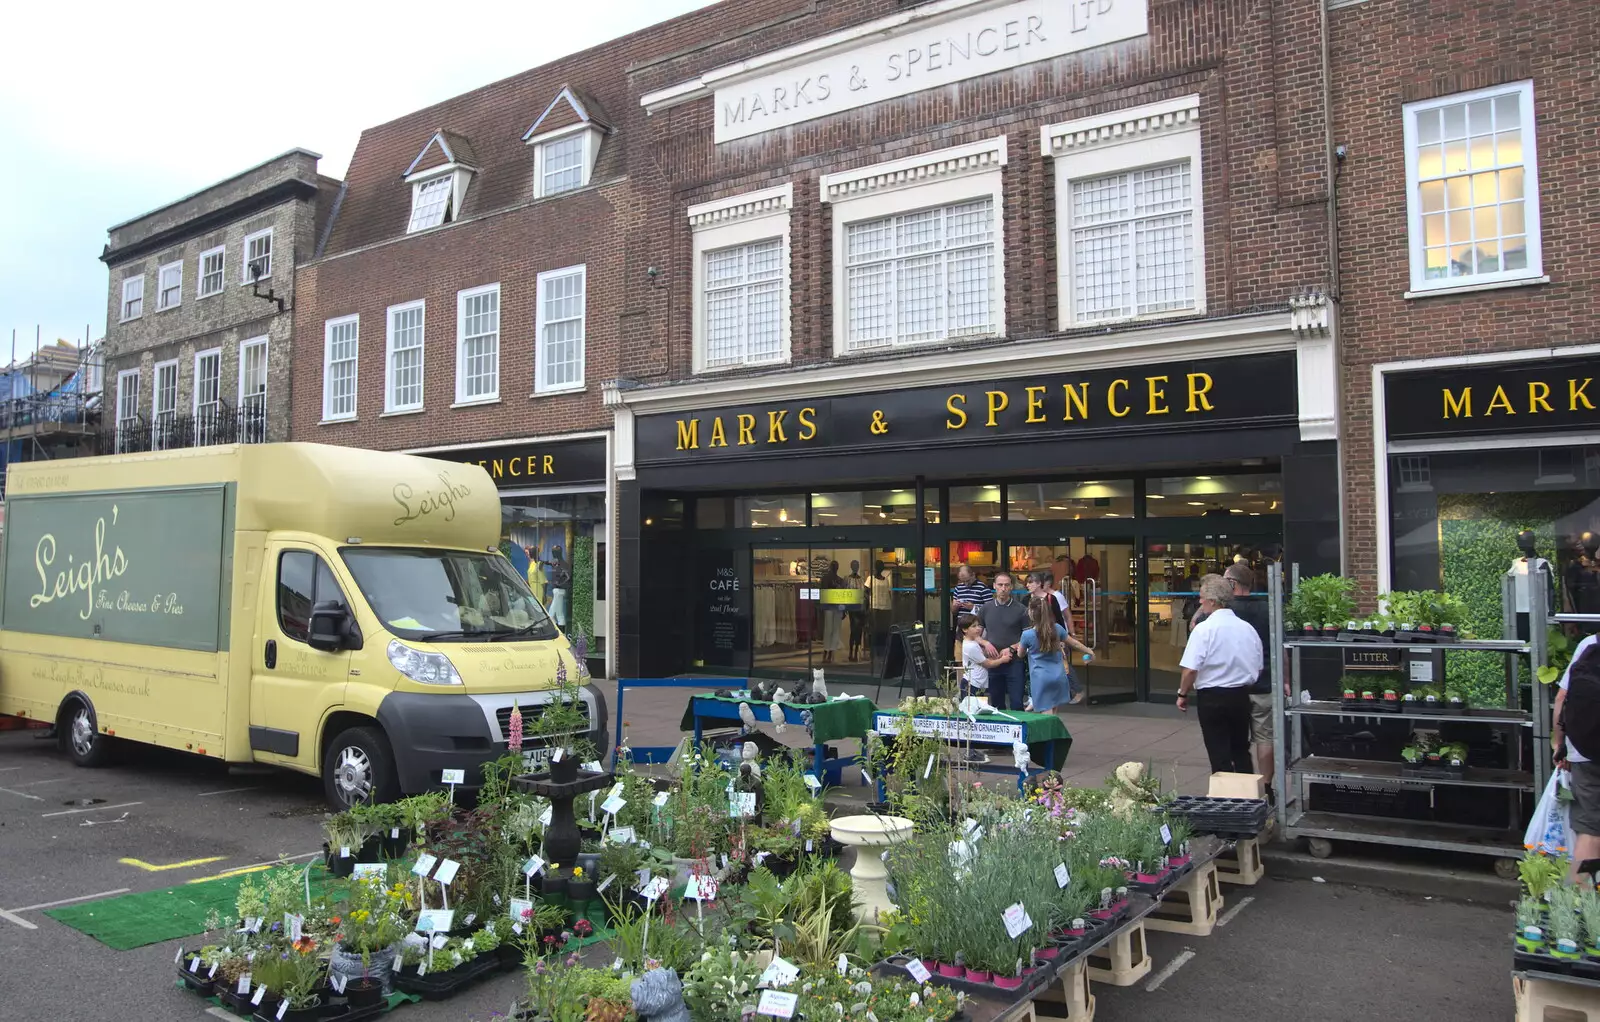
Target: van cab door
294, 684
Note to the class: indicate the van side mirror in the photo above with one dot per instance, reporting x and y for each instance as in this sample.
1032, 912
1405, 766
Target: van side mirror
330, 627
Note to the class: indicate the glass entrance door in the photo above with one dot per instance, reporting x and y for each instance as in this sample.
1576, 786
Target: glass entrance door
828, 607
1173, 570
1100, 579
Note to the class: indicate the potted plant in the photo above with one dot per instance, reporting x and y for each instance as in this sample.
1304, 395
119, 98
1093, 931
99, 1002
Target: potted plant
344, 838
1564, 924
563, 728
580, 887
297, 975
1324, 600
372, 925
1530, 931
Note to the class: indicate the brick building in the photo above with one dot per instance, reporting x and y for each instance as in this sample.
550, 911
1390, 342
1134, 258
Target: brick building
201, 304
1025, 286
1469, 251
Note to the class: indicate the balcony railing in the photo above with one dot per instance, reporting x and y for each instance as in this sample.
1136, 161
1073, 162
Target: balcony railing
209, 425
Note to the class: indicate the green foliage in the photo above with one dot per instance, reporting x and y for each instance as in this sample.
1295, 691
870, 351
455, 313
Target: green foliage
1540, 873
1558, 655
562, 723
1322, 599
722, 985
1530, 912
582, 609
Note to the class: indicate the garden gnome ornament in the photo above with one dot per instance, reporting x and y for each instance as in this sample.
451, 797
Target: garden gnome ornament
658, 997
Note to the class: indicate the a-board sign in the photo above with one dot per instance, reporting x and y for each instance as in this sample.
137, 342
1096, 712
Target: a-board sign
910, 655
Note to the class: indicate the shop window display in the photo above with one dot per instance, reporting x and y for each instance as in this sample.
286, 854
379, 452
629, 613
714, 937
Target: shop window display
557, 542
1215, 496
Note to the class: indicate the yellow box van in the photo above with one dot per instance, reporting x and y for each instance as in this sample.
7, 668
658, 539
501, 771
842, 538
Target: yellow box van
335, 611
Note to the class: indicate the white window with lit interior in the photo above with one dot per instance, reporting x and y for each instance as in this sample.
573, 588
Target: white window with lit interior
211, 270
207, 397
258, 256
918, 244
341, 338
169, 285
253, 390
1130, 239
1472, 189
430, 203
562, 317
403, 390
164, 406
478, 345
127, 410
741, 293
132, 297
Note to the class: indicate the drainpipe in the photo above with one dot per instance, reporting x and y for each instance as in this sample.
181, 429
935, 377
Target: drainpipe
1334, 160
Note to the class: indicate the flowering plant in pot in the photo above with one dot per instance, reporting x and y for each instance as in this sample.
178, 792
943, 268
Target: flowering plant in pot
296, 974
371, 926
563, 728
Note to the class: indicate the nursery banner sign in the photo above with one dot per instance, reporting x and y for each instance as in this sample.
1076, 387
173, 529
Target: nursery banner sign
950, 729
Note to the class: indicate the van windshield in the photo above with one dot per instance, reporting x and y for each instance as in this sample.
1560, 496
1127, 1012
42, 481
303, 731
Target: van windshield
442, 595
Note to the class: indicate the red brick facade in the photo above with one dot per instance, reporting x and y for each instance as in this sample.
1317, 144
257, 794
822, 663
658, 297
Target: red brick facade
1386, 54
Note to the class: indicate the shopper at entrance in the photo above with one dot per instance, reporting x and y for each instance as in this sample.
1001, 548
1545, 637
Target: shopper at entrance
969, 592
1577, 723
1003, 620
1043, 583
976, 658
1043, 641
1220, 665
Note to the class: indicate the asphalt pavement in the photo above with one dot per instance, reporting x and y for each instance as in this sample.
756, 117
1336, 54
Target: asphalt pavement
1295, 950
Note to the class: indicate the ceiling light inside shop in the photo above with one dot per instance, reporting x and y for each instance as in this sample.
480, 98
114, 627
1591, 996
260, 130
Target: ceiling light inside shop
827, 514
1058, 507
1235, 511
1156, 496
1196, 503
1207, 478
783, 514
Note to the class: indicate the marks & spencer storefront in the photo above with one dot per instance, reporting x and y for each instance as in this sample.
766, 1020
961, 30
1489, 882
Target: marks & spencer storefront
790, 530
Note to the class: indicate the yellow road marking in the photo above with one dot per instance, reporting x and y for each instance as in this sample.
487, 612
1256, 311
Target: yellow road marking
230, 873
151, 868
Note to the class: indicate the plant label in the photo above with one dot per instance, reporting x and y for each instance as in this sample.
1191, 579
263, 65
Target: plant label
546, 816
283, 1008
398, 962
808, 845
261, 993
1166, 834
471, 918
447, 871
796, 823
370, 869
516, 928
780, 973
295, 924
661, 799
338, 981
724, 860
644, 879
435, 920
213, 973
616, 789
593, 766
1016, 920
613, 805
777, 1004
742, 804
422, 969
624, 835
558, 755
244, 984
439, 941
1422, 671
521, 910
844, 966
532, 866
656, 888
812, 783
692, 890
344, 851
394, 833
708, 888
605, 883
177, 959
928, 770
254, 924
425, 864
761, 857
194, 964
1063, 878
919, 972
453, 777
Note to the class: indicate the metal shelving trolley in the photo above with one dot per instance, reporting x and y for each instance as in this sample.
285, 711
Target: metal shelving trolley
1296, 771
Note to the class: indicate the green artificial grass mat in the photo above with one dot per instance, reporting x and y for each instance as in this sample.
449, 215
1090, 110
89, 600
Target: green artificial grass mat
129, 921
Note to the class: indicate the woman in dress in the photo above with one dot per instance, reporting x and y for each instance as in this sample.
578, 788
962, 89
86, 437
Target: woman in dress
1047, 667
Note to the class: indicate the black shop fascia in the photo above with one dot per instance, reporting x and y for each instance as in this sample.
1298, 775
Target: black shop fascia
1148, 457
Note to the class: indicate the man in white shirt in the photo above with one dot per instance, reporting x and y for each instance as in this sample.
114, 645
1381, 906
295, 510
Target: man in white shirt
1220, 664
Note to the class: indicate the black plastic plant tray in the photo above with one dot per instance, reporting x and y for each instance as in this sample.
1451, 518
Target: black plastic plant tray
896, 967
438, 986
1441, 772
1541, 961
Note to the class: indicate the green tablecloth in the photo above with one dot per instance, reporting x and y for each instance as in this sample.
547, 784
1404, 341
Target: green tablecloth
1046, 733
830, 721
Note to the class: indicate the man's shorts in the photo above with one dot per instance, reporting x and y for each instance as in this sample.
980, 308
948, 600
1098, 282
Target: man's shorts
1584, 813
1261, 718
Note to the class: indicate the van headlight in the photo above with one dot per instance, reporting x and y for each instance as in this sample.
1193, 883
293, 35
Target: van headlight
422, 667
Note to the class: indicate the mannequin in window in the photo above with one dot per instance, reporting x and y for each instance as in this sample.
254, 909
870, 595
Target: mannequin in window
1525, 572
1582, 576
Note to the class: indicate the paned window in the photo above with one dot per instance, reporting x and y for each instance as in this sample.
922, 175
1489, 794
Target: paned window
253, 391
127, 410
478, 344
921, 276
405, 357
133, 297
744, 304
561, 330
563, 164
258, 256
207, 397
1133, 243
430, 203
164, 406
169, 287
1472, 173
340, 342
211, 264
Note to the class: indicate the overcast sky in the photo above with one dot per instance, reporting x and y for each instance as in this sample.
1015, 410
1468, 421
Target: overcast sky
106, 114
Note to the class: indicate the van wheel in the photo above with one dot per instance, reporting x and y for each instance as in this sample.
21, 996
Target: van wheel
359, 768
81, 737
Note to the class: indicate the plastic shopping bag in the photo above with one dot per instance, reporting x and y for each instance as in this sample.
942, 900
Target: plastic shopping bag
1549, 831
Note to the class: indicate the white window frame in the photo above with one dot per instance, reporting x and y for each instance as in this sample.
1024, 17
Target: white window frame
156, 411
462, 398
390, 405
591, 150
161, 291
328, 327
246, 346
122, 307
205, 439
944, 177
539, 386
729, 223
1534, 271
457, 175
125, 413
244, 261
221, 252
1152, 135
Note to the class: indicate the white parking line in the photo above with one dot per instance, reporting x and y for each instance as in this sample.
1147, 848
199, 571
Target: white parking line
222, 1013
35, 784
8, 917
1166, 974
227, 791
24, 794
92, 809
7, 770
69, 901
1227, 917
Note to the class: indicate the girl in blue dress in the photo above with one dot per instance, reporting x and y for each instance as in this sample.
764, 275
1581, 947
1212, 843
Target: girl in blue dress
1047, 667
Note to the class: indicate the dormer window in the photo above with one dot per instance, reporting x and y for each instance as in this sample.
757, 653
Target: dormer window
566, 143
439, 177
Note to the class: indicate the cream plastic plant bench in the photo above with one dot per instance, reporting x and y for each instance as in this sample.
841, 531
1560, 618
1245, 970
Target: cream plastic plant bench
1243, 864
1071, 992
1554, 999
1126, 960
1190, 907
